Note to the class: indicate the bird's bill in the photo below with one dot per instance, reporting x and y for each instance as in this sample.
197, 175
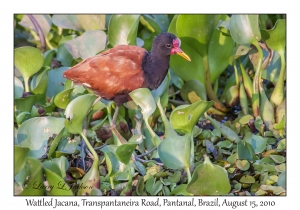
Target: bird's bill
182, 54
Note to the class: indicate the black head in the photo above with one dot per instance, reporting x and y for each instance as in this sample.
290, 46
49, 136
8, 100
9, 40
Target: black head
166, 44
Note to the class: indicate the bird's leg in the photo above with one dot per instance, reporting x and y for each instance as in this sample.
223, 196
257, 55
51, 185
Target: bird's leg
114, 120
114, 126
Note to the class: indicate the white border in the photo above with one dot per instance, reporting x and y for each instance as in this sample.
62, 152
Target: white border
8, 8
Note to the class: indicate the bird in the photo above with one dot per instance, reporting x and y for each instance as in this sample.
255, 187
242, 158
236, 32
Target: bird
115, 72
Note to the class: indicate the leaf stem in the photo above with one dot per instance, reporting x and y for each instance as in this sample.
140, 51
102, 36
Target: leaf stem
27, 89
278, 93
256, 82
188, 172
91, 149
208, 87
236, 74
40, 32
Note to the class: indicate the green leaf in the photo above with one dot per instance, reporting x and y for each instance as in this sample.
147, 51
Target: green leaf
55, 141
226, 132
239, 51
28, 61
80, 22
122, 29
272, 71
55, 81
124, 151
180, 190
193, 91
18, 88
153, 187
188, 70
90, 180
174, 178
199, 28
35, 178
168, 151
245, 151
20, 154
39, 85
244, 29
21, 117
143, 98
282, 180
209, 179
59, 186
114, 166
247, 179
232, 96
65, 145
48, 55
276, 37
86, 45
244, 165
258, 143
35, 132
160, 23
63, 98
25, 104
245, 119
278, 158
140, 186
183, 118
44, 22
76, 112
62, 54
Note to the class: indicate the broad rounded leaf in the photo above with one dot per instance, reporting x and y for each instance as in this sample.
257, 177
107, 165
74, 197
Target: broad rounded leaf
59, 186
226, 132
199, 28
258, 143
76, 112
80, 22
114, 166
209, 179
247, 179
35, 132
39, 85
180, 190
25, 104
184, 117
244, 165
122, 29
87, 45
276, 37
43, 20
55, 81
244, 28
18, 88
35, 178
278, 158
20, 154
169, 155
63, 98
90, 180
193, 91
124, 151
28, 60
62, 54
245, 151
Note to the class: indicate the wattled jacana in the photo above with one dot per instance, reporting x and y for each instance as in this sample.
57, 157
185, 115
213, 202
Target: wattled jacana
114, 73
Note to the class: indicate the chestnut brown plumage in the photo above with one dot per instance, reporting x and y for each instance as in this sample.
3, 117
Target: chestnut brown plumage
114, 73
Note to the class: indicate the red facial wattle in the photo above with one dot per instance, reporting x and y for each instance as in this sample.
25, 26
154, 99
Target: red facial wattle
176, 49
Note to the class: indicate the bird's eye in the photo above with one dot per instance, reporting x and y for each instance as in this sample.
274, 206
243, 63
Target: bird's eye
168, 45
